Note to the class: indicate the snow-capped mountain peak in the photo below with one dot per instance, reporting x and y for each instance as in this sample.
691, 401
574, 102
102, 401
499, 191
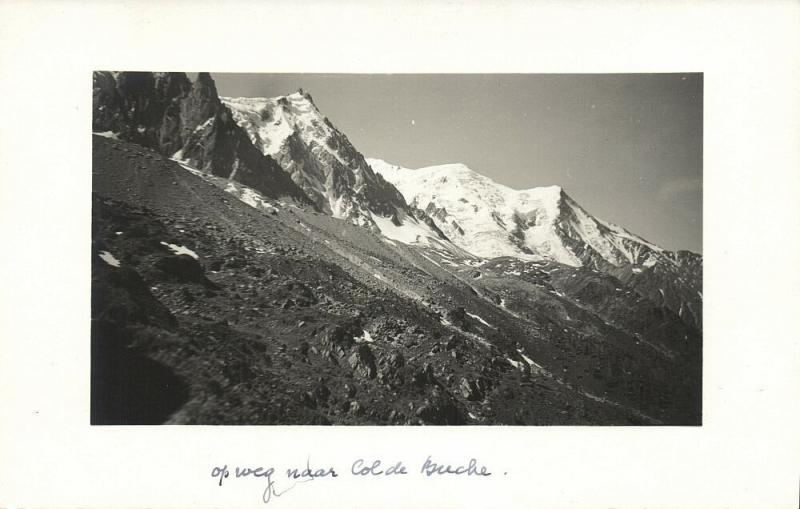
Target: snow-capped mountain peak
319, 158
270, 121
489, 219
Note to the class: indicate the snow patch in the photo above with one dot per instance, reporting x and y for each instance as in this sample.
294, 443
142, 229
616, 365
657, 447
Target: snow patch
109, 258
410, 232
430, 259
538, 368
263, 120
180, 250
364, 338
476, 317
178, 158
249, 196
204, 125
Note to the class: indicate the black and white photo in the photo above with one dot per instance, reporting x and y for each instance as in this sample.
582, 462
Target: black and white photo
436, 249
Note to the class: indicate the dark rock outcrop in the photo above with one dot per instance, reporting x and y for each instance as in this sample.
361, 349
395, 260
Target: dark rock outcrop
440, 410
362, 361
458, 317
121, 296
340, 339
182, 268
170, 114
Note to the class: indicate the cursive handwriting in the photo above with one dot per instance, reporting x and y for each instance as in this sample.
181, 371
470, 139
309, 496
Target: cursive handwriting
361, 467
375, 468
430, 468
310, 474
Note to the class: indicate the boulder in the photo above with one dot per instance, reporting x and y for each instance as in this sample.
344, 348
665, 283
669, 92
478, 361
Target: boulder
340, 339
120, 295
458, 317
182, 268
470, 390
362, 361
392, 371
454, 342
424, 376
440, 410
355, 408
299, 293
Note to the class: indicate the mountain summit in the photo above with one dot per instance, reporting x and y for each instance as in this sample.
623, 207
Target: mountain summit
319, 158
491, 220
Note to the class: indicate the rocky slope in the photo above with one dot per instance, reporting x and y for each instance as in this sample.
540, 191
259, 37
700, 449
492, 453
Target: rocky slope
213, 303
490, 220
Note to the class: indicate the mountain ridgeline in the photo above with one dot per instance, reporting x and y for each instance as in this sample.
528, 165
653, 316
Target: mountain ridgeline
545, 223
320, 159
169, 113
251, 266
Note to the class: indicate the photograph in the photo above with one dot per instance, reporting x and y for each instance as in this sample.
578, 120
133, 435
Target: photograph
397, 249
443, 254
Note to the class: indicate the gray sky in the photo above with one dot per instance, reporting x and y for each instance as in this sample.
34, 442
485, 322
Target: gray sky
627, 147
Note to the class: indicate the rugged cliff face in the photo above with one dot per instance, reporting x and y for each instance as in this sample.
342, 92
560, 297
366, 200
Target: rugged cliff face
187, 121
319, 157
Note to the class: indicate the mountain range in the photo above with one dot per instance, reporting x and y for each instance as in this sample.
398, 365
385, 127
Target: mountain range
251, 266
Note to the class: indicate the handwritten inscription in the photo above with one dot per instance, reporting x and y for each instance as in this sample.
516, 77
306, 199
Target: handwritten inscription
375, 468
310, 473
361, 467
430, 468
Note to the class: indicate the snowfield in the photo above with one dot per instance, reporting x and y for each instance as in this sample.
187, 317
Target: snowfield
410, 232
491, 220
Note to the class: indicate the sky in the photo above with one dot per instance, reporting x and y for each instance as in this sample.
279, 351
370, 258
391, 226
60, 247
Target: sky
626, 147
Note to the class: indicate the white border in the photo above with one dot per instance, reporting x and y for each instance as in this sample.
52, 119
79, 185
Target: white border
746, 453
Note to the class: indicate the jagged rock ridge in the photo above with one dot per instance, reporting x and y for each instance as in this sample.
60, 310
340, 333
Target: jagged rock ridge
185, 120
321, 159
